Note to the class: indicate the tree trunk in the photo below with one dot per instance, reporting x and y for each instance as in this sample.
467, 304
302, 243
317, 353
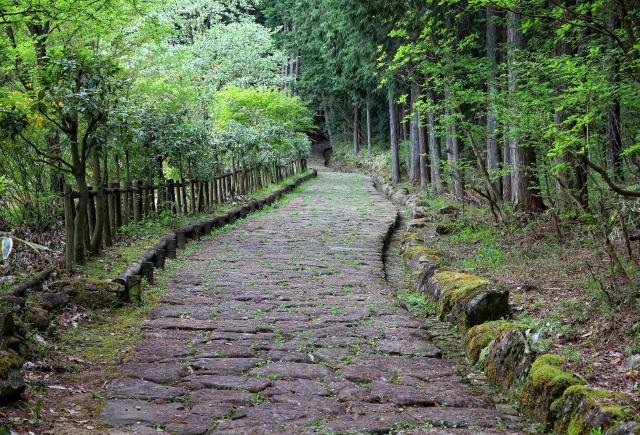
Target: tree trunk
614, 135
434, 149
369, 134
327, 124
356, 129
98, 229
424, 156
393, 129
414, 168
453, 149
524, 186
493, 154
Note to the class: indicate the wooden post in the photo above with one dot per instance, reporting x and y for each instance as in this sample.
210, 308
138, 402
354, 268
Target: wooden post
68, 228
144, 199
171, 248
181, 240
152, 197
192, 196
112, 209
178, 198
128, 203
118, 197
161, 254
146, 270
169, 204
106, 227
137, 201
134, 289
184, 197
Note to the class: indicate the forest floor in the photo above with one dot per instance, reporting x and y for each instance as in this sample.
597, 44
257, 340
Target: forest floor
281, 323
560, 280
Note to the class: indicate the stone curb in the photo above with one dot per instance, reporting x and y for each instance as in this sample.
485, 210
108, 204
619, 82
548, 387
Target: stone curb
131, 278
548, 394
463, 299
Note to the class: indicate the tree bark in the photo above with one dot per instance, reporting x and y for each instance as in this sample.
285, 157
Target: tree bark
493, 154
614, 135
369, 134
434, 149
393, 129
424, 156
414, 167
98, 229
327, 124
356, 129
524, 186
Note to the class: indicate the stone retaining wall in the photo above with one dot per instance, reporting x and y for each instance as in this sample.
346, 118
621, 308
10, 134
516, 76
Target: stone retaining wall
558, 399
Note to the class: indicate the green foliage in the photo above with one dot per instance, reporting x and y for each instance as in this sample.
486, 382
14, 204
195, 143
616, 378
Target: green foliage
135, 85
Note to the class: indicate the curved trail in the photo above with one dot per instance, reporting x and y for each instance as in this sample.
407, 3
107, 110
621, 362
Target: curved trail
285, 324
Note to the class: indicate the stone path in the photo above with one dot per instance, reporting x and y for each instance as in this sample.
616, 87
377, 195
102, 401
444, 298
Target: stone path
285, 324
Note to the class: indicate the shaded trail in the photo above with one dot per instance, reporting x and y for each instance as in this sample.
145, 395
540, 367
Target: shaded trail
285, 324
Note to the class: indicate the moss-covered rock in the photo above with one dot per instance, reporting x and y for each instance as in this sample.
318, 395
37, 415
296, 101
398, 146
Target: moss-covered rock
417, 224
547, 381
421, 254
11, 379
9, 360
479, 337
509, 357
411, 237
467, 300
581, 409
91, 292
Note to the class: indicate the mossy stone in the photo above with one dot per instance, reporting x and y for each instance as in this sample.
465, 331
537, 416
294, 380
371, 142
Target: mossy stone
410, 237
479, 337
546, 382
9, 360
11, 377
422, 254
509, 357
468, 300
580, 410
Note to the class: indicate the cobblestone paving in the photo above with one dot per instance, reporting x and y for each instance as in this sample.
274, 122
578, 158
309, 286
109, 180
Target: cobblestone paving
285, 324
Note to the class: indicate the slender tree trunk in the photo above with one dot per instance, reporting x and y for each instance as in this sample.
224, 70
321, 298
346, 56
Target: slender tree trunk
506, 165
414, 169
454, 158
424, 156
98, 229
434, 149
356, 129
369, 134
393, 129
614, 135
328, 126
493, 153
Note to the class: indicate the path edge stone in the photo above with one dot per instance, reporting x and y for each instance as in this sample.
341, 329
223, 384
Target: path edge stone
546, 392
177, 239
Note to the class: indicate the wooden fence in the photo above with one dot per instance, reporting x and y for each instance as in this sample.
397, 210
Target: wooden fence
139, 200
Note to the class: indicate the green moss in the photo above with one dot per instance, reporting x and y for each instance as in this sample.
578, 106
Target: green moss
9, 360
457, 287
426, 255
480, 336
581, 409
545, 383
411, 236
